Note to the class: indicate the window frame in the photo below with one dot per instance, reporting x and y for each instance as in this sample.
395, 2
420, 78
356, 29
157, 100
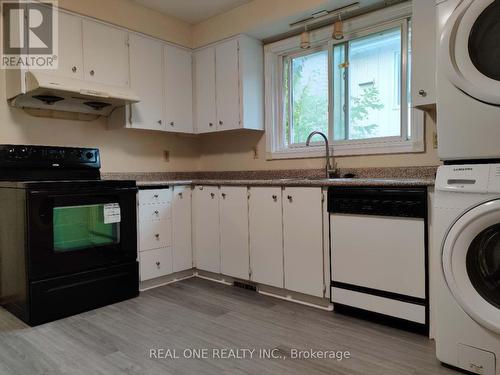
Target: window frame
275, 56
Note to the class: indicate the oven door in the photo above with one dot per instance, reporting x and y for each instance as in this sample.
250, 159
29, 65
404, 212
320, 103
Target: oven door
76, 230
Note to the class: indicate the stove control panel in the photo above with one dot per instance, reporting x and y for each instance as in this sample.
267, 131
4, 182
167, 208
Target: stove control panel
27, 156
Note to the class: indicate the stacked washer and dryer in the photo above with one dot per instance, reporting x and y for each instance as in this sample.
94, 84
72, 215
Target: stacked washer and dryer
467, 198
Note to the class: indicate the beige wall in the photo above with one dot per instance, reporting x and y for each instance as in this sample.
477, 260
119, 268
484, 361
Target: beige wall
122, 150
131, 15
236, 151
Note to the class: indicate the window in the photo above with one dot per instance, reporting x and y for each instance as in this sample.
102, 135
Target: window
351, 90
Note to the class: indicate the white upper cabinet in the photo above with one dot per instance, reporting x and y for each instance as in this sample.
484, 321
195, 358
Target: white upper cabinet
146, 66
70, 55
303, 240
204, 75
423, 88
229, 86
106, 58
178, 85
234, 231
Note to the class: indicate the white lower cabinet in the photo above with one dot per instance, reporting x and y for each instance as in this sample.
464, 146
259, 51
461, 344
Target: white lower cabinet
155, 234
266, 235
206, 228
182, 254
303, 240
155, 263
234, 231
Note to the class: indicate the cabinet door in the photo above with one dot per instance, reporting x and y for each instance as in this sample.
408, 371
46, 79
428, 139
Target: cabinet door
204, 88
105, 54
181, 229
234, 231
206, 228
70, 55
227, 85
146, 74
266, 236
303, 240
178, 90
423, 53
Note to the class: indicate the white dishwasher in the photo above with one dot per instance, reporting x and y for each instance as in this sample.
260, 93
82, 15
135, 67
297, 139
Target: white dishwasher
378, 254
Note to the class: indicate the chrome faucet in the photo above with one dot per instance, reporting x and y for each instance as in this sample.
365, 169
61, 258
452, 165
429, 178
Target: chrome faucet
329, 171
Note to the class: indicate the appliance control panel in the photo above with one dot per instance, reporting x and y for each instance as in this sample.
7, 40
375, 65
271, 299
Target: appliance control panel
469, 178
27, 156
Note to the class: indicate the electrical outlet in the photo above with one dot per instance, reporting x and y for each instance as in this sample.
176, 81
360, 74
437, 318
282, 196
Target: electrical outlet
166, 155
434, 140
255, 153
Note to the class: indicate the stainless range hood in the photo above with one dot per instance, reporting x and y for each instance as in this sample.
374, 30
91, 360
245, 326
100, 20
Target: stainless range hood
51, 92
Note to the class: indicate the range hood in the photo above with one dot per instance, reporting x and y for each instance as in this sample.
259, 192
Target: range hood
51, 92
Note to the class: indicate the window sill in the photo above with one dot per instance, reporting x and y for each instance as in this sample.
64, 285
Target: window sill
351, 149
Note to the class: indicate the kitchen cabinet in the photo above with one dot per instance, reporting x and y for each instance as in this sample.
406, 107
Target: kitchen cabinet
105, 53
303, 240
204, 75
229, 85
423, 53
70, 52
182, 253
266, 235
206, 228
155, 233
234, 231
178, 86
146, 56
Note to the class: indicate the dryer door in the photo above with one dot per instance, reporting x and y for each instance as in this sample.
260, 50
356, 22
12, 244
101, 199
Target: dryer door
471, 263
470, 51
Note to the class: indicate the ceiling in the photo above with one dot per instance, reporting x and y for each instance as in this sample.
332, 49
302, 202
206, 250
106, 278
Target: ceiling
192, 11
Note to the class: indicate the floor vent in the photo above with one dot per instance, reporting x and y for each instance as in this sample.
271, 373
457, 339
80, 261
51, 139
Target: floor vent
241, 285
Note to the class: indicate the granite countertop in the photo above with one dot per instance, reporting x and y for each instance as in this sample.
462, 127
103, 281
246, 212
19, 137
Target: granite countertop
399, 182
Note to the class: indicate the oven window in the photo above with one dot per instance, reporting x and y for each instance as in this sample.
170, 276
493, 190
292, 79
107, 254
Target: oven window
83, 227
484, 48
483, 264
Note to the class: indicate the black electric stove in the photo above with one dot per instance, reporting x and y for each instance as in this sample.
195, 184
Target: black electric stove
68, 239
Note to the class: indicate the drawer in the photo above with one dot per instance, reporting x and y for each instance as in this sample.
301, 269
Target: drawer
154, 212
152, 196
155, 234
155, 263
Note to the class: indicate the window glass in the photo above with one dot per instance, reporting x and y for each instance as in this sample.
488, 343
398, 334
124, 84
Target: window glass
308, 79
368, 69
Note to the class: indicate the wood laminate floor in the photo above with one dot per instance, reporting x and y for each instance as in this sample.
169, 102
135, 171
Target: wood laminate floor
197, 313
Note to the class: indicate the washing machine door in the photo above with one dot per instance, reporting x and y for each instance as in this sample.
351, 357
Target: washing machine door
470, 51
471, 263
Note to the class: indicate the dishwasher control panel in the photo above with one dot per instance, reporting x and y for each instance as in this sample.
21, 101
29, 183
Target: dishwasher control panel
381, 201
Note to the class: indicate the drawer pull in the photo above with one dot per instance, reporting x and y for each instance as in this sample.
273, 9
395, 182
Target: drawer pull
180, 195
156, 196
224, 195
290, 198
157, 212
275, 198
157, 235
212, 195
158, 264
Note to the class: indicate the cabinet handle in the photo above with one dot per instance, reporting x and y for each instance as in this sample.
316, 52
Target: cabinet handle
221, 122
180, 195
172, 123
201, 188
212, 195
275, 198
155, 196
210, 124
290, 198
73, 69
157, 212
422, 93
157, 235
159, 122
224, 195
158, 264
92, 72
